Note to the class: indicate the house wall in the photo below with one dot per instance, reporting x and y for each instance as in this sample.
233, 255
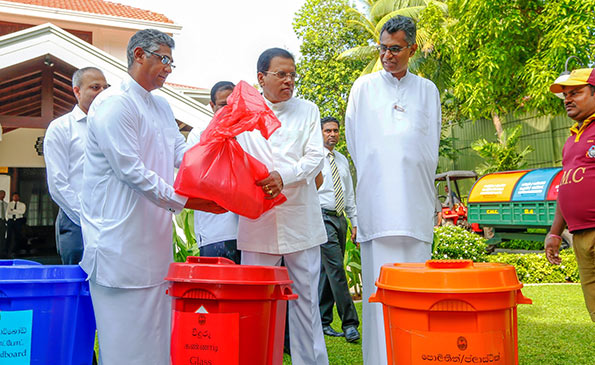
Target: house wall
109, 39
17, 148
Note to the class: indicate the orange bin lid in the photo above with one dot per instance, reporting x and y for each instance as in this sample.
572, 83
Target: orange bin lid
448, 276
218, 270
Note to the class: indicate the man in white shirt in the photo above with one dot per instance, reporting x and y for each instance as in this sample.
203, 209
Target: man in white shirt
294, 230
3, 210
15, 225
336, 199
392, 125
127, 201
216, 234
63, 151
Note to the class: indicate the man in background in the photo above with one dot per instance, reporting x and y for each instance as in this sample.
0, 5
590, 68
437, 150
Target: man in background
336, 199
216, 234
3, 210
63, 151
15, 225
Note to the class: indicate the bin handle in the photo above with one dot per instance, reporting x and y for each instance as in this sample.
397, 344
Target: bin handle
374, 299
209, 260
521, 299
449, 264
287, 294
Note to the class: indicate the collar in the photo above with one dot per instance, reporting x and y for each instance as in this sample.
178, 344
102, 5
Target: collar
130, 84
78, 113
329, 152
390, 78
578, 131
280, 106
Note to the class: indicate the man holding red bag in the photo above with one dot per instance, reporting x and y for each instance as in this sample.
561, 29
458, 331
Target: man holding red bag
294, 230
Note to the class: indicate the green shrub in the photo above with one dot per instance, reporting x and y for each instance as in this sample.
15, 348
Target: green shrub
534, 267
522, 245
456, 243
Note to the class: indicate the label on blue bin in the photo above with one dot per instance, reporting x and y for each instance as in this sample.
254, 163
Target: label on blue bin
15, 337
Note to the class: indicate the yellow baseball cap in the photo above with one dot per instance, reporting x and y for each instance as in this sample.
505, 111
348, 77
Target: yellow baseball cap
581, 76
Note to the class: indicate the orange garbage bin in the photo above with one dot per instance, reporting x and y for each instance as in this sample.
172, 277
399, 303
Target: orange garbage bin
223, 313
450, 311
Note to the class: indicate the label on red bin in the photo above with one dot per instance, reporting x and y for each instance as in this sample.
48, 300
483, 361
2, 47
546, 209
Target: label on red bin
15, 337
457, 348
205, 338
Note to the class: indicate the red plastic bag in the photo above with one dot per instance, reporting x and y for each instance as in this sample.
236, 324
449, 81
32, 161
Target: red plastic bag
218, 169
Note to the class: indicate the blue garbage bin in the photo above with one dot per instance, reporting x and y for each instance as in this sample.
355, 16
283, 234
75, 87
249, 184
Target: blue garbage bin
63, 324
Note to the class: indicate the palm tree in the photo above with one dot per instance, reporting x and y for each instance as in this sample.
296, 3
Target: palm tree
380, 11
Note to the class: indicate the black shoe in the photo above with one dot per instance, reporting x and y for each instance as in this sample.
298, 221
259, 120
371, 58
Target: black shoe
351, 334
329, 331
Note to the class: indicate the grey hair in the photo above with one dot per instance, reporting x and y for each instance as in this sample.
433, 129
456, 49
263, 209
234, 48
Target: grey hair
403, 23
78, 75
148, 40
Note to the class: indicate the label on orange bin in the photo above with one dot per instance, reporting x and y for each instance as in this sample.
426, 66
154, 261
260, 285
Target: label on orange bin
205, 338
457, 348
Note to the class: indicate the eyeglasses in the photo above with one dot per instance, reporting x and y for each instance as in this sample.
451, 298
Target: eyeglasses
394, 50
166, 60
283, 75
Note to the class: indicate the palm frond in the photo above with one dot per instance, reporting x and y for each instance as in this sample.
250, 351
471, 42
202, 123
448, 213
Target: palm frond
411, 12
358, 53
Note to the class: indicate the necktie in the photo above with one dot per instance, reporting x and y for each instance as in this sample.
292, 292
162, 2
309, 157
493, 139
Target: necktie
3, 215
14, 216
337, 187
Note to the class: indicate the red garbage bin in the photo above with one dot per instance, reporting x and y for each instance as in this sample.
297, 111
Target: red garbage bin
223, 313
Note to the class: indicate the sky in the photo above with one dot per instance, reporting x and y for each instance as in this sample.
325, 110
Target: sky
222, 39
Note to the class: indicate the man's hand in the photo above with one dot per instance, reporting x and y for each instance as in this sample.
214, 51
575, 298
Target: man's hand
271, 185
552, 249
204, 205
353, 234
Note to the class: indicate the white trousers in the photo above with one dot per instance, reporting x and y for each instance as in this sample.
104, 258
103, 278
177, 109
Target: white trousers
305, 328
133, 325
376, 253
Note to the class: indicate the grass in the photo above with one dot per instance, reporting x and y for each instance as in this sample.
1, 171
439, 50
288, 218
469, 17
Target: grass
555, 329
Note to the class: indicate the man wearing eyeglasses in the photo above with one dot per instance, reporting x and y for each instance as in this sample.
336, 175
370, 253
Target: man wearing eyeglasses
127, 201
63, 151
294, 230
392, 125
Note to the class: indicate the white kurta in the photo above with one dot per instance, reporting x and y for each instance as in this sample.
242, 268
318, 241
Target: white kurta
326, 192
64, 154
393, 132
208, 227
295, 150
127, 198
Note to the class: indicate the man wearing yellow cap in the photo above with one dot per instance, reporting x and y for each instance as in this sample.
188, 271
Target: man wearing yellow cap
576, 202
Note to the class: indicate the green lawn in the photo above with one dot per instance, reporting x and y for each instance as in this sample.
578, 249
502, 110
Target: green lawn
555, 329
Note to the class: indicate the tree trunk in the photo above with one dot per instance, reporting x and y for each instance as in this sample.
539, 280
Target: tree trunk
497, 125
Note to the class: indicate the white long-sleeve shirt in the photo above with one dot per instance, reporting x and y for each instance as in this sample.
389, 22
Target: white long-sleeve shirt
16, 210
64, 154
127, 198
393, 133
208, 227
326, 192
294, 150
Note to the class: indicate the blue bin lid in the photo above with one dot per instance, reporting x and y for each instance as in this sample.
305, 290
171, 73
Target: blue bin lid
534, 185
32, 273
18, 262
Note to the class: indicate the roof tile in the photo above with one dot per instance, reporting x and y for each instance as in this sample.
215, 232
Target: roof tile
99, 7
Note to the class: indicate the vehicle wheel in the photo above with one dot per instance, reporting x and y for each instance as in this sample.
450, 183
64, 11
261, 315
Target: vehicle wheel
464, 224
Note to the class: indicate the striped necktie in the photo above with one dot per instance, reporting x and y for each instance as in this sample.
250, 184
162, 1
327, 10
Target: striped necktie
337, 187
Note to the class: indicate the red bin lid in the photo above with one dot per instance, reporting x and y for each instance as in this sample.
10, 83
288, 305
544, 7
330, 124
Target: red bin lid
218, 270
448, 276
